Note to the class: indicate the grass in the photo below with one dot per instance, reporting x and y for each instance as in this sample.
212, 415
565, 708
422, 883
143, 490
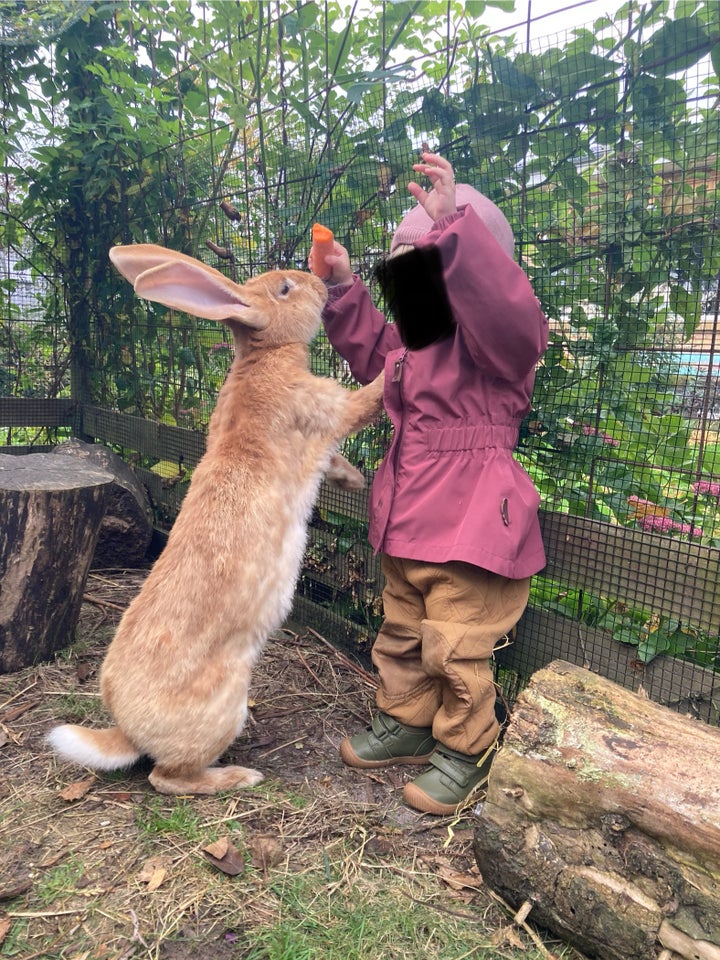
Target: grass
79, 708
179, 818
58, 882
372, 911
332, 865
375, 918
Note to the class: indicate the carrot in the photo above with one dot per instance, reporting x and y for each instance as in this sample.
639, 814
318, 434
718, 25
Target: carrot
323, 242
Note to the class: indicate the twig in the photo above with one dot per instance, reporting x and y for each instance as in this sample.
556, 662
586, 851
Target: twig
366, 677
102, 603
38, 915
18, 694
310, 670
282, 746
523, 913
519, 918
136, 935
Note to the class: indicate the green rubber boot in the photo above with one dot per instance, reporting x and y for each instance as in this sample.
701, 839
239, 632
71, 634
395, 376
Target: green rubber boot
386, 742
451, 779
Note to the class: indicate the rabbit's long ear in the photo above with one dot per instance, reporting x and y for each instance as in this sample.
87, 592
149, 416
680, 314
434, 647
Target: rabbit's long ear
183, 283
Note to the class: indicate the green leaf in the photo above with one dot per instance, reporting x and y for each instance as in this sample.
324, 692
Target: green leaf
688, 305
676, 46
523, 86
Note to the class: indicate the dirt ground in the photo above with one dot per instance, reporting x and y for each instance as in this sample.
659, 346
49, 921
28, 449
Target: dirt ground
99, 867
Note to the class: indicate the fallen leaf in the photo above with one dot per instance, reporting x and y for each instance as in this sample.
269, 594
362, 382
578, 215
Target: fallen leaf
4, 927
381, 846
153, 873
460, 881
266, 850
77, 790
507, 936
156, 879
455, 879
53, 859
117, 796
3, 736
218, 848
225, 856
14, 712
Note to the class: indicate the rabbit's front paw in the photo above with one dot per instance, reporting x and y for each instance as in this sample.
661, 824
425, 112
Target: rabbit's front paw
342, 474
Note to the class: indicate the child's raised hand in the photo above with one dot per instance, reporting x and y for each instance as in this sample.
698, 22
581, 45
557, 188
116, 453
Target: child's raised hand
440, 200
339, 263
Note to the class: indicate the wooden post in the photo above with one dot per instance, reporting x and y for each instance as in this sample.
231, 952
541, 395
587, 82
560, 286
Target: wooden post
50, 513
603, 814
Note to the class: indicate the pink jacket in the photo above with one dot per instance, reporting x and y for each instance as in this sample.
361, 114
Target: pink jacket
449, 487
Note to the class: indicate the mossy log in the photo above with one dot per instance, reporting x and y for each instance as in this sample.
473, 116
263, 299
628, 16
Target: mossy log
50, 513
603, 816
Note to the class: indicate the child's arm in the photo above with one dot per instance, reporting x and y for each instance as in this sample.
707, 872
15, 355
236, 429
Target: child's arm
490, 296
358, 330
354, 325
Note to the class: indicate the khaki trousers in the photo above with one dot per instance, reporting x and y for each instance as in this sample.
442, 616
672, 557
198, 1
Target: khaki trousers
433, 651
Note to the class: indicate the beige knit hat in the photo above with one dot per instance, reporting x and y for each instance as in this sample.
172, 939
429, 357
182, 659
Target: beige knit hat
417, 222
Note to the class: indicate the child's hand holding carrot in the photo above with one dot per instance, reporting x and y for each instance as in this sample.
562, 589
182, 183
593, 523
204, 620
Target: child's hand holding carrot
328, 259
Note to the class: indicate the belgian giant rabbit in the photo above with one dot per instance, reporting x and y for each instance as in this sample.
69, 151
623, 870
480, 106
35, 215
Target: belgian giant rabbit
176, 675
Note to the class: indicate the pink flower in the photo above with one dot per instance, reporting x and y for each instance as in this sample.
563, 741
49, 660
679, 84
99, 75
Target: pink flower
660, 524
704, 486
686, 528
654, 524
594, 432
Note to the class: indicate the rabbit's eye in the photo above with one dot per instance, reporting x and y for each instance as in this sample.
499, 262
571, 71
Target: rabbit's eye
286, 288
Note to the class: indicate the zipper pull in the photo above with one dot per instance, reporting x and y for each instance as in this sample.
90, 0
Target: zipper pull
398, 368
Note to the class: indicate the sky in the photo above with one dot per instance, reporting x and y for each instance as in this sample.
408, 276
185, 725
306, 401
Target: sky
556, 16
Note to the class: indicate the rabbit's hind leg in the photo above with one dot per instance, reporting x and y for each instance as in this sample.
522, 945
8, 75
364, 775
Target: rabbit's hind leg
179, 781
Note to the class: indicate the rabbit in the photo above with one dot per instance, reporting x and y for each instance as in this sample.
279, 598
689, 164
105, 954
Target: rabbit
176, 675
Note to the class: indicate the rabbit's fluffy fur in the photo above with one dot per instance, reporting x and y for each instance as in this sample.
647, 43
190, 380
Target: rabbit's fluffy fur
176, 675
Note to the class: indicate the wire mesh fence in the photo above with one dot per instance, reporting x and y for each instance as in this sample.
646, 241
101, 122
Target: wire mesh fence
601, 147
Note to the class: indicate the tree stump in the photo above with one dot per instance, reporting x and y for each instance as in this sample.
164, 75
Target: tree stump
50, 513
127, 527
603, 816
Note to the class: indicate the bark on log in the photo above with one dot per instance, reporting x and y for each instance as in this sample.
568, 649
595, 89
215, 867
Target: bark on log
603, 811
127, 527
50, 513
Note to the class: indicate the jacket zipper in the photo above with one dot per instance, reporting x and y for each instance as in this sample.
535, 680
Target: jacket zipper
398, 368
397, 378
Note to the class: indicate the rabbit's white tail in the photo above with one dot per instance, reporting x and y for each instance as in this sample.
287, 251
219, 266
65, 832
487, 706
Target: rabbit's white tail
107, 749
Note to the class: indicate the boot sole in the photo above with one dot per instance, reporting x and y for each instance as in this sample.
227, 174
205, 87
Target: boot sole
351, 759
419, 800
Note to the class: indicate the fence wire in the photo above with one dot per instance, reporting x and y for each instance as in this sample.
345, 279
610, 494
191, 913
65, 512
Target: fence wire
620, 242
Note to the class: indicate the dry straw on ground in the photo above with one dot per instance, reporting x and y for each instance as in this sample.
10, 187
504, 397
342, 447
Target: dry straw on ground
102, 868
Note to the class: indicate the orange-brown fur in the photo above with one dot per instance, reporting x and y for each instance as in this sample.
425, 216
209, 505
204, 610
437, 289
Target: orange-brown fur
176, 674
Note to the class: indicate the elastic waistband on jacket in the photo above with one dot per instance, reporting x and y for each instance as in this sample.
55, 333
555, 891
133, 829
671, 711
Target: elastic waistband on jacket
478, 437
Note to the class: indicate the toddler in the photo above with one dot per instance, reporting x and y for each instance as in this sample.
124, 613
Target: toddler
454, 515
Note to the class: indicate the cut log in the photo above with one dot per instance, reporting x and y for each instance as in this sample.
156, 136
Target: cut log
50, 513
127, 527
603, 812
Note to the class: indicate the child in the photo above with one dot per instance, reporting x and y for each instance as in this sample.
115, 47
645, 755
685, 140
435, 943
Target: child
453, 513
